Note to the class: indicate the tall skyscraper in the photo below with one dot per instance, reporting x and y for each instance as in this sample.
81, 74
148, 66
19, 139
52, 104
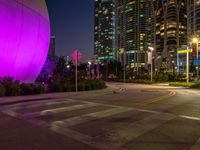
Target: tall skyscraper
104, 37
133, 30
170, 18
193, 17
52, 47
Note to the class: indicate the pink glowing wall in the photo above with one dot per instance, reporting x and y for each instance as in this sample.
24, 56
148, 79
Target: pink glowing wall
24, 38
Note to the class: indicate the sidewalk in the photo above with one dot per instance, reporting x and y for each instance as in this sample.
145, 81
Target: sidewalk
17, 99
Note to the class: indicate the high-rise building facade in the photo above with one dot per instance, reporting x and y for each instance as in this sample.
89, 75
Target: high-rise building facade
52, 47
104, 37
170, 18
133, 30
193, 17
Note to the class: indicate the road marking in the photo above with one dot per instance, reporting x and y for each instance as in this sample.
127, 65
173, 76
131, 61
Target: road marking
33, 104
57, 110
71, 108
91, 116
110, 140
121, 136
72, 134
196, 146
118, 137
190, 117
11, 113
153, 100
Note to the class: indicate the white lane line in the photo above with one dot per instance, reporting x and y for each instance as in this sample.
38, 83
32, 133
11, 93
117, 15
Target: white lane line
190, 117
64, 109
88, 117
11, 113
116, 138
72, 134
109, 112
37, 104
196, 146
55, 111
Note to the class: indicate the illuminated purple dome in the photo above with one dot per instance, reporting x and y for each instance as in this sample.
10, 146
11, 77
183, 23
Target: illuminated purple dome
24, 38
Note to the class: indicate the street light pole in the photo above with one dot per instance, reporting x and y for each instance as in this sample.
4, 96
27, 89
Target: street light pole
196, 41
197, 59
151, 49
122, 51
187, 65
124, 67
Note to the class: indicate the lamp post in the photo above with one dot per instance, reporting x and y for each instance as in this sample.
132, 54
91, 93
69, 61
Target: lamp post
151, 50
122, 51
89, 67
97, 67
187, 65
173, 67
196, 41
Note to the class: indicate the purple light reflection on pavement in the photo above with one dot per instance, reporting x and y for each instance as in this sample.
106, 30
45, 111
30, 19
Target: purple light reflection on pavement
24, 38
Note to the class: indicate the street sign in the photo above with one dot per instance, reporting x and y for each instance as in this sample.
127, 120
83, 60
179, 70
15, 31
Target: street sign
184, 51
74, 55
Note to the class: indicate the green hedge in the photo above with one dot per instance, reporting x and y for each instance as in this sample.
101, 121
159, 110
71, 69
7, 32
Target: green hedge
140, 81
85, 85
11, 87
30, 89
185, 84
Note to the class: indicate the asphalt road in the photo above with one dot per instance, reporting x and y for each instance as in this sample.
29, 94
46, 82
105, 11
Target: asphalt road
124, 116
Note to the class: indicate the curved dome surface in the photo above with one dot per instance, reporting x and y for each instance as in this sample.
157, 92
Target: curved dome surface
24, 38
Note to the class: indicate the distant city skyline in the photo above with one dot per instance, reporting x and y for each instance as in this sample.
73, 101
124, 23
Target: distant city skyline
72, 22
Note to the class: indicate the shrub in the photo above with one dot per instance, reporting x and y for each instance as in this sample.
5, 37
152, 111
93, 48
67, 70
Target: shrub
185, 84
11, 86
67, 87
2, 91
39, 89
87, 86
56, 87
30, 89
26, 89
81, 87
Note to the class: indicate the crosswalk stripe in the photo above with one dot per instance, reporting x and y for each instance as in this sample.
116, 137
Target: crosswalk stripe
64, 109
196, 146
56, 110
37, 104
71, 133
91, 116
123, 135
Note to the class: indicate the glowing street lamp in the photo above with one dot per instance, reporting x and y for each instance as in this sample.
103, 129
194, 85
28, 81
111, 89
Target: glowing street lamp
151, 50
89, 62
68, 66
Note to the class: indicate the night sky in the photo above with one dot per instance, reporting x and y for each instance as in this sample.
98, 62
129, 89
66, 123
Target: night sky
72, 24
